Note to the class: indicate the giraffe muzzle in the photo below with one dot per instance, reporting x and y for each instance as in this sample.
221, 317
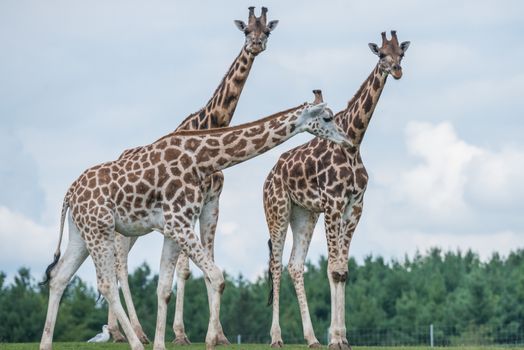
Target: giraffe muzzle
396, 71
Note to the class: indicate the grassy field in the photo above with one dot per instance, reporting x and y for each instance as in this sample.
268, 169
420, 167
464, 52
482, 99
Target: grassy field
111, 346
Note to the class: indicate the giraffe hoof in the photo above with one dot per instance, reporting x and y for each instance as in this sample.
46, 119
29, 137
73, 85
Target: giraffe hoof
181, 341
339, 346
277, 344
222, 340
118, 337
315, 345
144, 339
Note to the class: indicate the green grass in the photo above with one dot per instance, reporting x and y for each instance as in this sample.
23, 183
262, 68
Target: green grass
111, 346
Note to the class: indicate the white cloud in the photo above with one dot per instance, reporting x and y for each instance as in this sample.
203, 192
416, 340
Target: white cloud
497, 177
19, 176
385, 242
455, 174
452, 186
27, 243
437, 184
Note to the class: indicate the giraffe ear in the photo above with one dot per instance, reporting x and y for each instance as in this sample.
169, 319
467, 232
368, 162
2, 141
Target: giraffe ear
240, 25
404, 46
374, 48
272, 25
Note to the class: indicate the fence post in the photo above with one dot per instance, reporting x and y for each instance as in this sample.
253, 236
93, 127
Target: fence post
239, 339
431, 335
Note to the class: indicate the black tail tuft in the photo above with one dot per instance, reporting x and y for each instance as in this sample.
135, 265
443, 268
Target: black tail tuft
270, 275
98, 298
49, 269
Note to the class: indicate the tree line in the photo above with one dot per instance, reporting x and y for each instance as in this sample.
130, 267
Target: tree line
455, 291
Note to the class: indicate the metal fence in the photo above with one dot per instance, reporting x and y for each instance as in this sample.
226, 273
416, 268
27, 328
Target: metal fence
431, 335
435, 335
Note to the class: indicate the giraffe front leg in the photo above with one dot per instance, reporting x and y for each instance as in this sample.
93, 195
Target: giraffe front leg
208, 224
350, 219
337, 274
337, 329
302, 225
183, 273
185, 236
170, 252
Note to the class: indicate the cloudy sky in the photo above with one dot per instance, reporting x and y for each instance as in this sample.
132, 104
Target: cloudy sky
82, 81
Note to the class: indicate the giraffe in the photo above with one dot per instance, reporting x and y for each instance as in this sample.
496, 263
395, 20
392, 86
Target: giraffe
218, 112
321, 177
161, 187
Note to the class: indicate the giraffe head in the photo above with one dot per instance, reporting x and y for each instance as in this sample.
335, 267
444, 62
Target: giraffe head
318, 120
256, 31
390, 54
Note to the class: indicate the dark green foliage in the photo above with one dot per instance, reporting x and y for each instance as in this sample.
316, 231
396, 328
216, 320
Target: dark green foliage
386, 303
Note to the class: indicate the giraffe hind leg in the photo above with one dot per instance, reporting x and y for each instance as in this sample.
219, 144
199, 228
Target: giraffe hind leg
208, 224
75, 254
337, 274
123, 245
184, 235
114, 330
100, 227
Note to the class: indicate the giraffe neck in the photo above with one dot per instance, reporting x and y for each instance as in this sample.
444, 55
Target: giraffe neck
222, 148
219, 110
355, 118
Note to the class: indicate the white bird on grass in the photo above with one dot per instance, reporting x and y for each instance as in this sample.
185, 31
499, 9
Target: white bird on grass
101, 337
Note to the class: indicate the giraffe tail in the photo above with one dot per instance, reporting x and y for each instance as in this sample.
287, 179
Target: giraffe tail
270, 274
56, 257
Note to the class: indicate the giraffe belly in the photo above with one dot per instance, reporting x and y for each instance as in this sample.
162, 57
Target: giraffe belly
138, 226
319, 200
309, 202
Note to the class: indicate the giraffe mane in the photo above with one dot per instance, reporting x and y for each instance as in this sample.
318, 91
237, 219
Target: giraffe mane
230, 128
189, 117
359, 92
192, 115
